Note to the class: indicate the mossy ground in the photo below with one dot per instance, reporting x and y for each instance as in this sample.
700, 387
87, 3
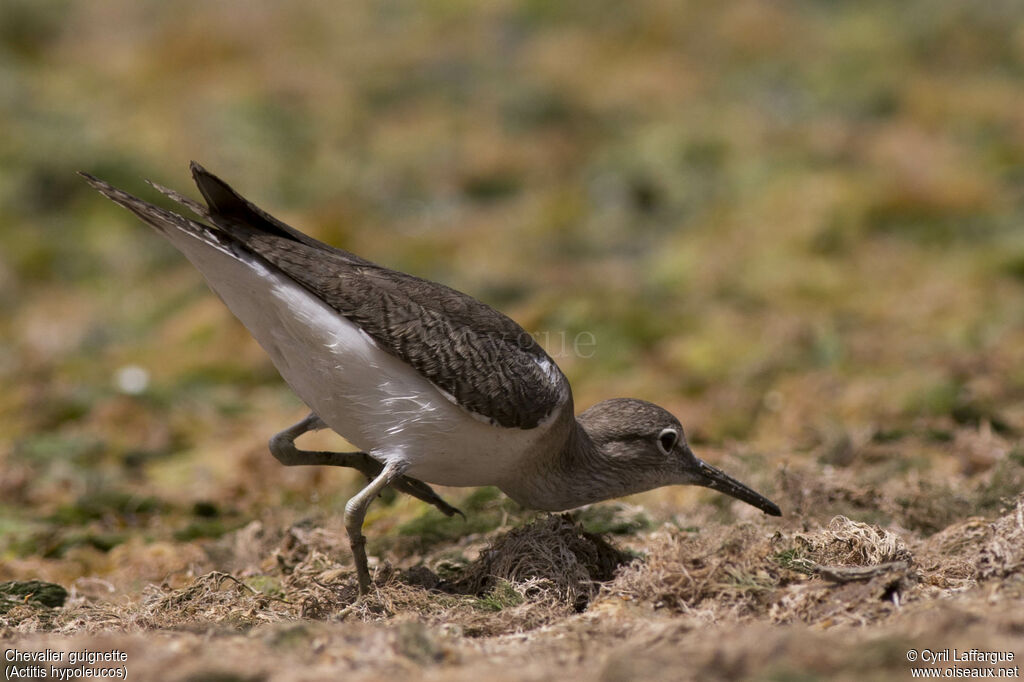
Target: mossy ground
797, 225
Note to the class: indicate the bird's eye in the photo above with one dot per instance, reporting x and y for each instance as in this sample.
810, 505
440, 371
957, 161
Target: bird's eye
667, 440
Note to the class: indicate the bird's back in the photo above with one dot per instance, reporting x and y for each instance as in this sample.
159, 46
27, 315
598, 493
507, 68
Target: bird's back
400, 366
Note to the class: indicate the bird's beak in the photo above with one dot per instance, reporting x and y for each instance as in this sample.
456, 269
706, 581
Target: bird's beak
708, 476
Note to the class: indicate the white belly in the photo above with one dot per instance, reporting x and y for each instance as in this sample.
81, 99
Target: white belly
371, 398
377, 402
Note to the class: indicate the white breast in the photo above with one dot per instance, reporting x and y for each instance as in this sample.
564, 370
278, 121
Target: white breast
374, 400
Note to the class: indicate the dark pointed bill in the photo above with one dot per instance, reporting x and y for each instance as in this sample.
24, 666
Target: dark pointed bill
724, 483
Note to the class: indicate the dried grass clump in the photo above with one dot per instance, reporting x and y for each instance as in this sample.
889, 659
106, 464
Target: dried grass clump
553, 553
851, 543
526, 578
948, 560
865, 572
721, 571
848, 572
1003, 554
215, 598
509, 608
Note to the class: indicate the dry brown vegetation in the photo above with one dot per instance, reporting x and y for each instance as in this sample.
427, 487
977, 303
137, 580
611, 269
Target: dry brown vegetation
795, 224
548, 599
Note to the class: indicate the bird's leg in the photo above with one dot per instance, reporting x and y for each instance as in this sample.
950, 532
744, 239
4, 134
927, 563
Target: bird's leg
421, 491
282, 446
355, 513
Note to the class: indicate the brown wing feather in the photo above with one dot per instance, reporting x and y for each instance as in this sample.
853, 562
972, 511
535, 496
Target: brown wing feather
488, 364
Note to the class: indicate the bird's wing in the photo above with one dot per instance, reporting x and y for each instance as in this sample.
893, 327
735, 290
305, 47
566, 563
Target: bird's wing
479, 358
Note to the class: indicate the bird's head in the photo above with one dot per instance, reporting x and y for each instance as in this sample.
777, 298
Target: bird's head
645, 444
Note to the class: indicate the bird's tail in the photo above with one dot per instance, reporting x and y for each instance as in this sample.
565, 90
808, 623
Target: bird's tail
168, 223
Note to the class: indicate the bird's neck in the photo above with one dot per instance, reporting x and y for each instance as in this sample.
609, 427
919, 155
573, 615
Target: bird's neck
579, 473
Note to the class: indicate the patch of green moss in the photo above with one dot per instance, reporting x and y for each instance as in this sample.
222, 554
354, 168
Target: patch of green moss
57, 545
950, 397
49, 447
206, 528
1014, 267
612, 518
502, 596
33, 592
107, 504
206, 509
485, 509
490, 187
432, 527
938, 399
889, 435
794, 560
266, 584
1002, 485
930, 508
939, 435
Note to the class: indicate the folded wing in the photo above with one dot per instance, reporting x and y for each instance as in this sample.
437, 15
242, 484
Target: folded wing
478, 357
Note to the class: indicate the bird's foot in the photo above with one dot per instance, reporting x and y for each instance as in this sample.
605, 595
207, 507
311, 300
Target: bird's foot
422, 491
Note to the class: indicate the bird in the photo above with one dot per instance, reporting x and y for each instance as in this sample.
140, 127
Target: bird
430, 384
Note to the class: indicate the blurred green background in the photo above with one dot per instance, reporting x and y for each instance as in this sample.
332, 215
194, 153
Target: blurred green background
796, 224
